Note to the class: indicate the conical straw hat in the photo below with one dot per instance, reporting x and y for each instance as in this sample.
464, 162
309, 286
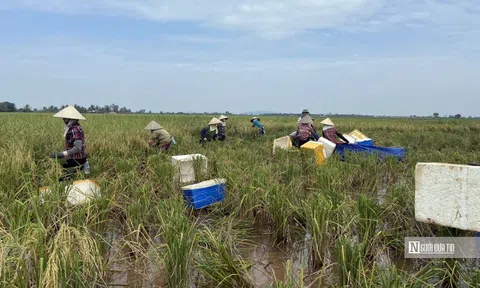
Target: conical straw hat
153, 126
306, 120
327, 122
69, 113
251, 120
214, 121
223, 117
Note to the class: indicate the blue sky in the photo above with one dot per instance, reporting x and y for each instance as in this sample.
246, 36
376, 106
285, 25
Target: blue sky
383, 57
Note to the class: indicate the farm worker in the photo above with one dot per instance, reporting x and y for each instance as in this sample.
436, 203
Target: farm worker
210, 132
305, 131
159, 137
304, 113
256, 123
221, 128
293, 135
330, 132
75, 144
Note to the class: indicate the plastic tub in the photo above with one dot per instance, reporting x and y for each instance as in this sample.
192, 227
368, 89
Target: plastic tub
205, 193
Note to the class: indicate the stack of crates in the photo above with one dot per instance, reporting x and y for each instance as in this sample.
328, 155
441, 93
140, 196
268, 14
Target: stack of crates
197, 195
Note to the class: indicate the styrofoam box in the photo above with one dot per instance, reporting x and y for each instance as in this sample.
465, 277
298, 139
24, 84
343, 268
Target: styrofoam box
448, 195
328, 147
184, 165
79, 192
82, 191
350, 139
204, 193
282, 143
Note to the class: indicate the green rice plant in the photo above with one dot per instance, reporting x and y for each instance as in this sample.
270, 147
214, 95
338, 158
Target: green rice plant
73, 259
292, 280
279, 209
390, 278
349, 256
280, 190
317, 213
219, 260
368, 219
178, 236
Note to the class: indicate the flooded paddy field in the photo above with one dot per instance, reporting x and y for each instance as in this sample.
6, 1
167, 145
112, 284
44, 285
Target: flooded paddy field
284, 222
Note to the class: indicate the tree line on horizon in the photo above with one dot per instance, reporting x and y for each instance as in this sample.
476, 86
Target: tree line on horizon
113, 108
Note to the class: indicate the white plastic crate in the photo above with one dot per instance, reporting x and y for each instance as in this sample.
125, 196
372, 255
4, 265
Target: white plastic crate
282, 143
184, 167
328, 147
448, 195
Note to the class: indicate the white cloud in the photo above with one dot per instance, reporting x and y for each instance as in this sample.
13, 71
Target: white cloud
276, 18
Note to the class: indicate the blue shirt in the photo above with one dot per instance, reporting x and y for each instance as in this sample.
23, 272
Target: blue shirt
257, 124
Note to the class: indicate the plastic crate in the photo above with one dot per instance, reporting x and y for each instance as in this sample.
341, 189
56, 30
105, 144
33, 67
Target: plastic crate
282, 143
317, 149
205, 193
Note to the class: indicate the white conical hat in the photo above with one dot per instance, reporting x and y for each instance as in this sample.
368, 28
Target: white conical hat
214, 121
327, 122
306, 120
222, 117
69, 113
253, 118
153, 126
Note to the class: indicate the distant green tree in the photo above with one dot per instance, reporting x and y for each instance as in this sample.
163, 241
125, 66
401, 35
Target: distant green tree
436, 115
458, 116
7, 107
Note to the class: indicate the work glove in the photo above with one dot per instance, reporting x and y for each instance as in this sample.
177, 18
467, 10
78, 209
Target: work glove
57, 155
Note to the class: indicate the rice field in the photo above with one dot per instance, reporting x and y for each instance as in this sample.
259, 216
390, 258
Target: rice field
284, 222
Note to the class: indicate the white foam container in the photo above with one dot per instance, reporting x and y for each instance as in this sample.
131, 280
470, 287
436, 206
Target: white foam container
79, 192
350, 139
282, 143
328, 147
184, 167
448, 195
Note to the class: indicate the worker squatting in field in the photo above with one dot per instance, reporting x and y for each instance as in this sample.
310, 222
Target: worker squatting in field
305, 132
210, 132
159, 137
75, 144
222, 128
330, 132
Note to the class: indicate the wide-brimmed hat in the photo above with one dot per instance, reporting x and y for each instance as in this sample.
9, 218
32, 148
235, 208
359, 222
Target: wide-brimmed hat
327, 122
153, 126
214, 121
223, 117
69, 113
305, 111
306, 120
251, 120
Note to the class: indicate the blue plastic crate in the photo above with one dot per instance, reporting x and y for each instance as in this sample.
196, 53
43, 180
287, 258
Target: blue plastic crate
205, 193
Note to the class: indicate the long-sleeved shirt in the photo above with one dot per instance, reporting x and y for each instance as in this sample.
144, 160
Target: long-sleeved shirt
331, 135
305, 131
160, 138
257, 124
221, 129
73, 138
209, 134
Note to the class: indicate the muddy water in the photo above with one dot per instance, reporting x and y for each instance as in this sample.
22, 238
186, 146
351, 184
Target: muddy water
267, 259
